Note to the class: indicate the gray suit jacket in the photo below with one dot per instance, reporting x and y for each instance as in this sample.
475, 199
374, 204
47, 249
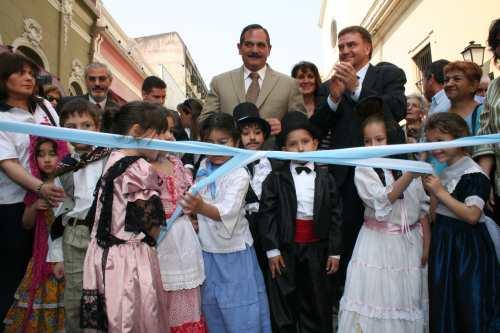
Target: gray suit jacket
279, 94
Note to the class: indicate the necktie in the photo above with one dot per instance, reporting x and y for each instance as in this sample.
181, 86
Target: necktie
254, 88
299, 169
98, 106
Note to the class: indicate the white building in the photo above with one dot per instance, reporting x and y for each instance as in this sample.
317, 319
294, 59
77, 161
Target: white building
168, 54
410, 33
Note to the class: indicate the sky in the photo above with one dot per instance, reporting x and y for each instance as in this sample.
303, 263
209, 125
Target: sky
211, 29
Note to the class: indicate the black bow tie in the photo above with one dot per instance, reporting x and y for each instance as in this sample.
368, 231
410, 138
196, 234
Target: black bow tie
299, 169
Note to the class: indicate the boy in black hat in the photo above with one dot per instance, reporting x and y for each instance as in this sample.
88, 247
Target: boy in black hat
253, 133
300, 231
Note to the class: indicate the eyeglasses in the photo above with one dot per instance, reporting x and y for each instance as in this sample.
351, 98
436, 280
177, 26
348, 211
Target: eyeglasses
97, 78
52, 98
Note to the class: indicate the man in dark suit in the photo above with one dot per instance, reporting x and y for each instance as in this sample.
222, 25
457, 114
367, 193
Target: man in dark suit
98, 79
355, 78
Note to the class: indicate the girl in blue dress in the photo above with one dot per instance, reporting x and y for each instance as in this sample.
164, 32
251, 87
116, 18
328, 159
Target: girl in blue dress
463, 269
233, 295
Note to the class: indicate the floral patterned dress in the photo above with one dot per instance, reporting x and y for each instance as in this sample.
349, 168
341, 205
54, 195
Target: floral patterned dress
38, 306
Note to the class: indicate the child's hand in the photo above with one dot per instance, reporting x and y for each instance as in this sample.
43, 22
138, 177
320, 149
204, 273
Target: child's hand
276, 264
332, 265
42, 204
58, 270
432, 184
191, 204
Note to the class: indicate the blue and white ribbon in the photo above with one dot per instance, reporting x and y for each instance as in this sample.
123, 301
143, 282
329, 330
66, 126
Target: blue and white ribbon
359, 156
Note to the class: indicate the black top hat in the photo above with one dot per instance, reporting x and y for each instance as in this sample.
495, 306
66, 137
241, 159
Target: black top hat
246, 112
293, 121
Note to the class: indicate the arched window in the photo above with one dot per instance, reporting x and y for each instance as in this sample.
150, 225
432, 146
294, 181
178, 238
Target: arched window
31, 55
75, 89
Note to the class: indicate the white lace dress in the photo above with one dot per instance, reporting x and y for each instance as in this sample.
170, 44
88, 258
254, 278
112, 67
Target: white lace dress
386, 286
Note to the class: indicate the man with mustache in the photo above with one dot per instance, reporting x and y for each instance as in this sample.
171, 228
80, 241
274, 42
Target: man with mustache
354, 79
98, 79
272, 92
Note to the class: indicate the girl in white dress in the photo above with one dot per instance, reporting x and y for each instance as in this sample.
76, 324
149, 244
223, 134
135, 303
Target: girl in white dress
386, 284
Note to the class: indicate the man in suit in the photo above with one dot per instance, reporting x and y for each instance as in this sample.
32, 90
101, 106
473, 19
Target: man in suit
355, 78
272, 92
98, 79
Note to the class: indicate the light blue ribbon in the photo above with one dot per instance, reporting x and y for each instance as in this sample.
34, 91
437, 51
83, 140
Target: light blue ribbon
359, 156
206, 172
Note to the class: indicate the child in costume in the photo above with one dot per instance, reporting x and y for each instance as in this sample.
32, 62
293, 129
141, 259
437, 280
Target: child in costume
233, 294
386, 284
38, 305
464, 273
300, 221
253, 133
179, 252
122, 289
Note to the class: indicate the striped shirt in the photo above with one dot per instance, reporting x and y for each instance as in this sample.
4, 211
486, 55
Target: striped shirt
490, 124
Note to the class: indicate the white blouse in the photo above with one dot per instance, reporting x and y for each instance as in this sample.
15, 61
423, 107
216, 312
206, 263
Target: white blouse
16, 145
375, 197
231, 234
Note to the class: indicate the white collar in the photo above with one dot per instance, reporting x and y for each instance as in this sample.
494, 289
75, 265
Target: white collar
102, 104
362, 72
262, 72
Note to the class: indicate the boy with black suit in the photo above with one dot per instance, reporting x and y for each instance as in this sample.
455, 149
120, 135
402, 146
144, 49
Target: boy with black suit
300, 228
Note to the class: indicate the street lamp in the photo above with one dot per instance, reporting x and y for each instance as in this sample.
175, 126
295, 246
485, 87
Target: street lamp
474, 53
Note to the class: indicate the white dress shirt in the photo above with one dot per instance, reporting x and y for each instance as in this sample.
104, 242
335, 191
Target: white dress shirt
260, 172
16, 145
248, 80
354, 94
304, 190
102, 104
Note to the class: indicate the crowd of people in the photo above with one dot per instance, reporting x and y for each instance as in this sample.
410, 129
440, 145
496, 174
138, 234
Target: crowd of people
275, 246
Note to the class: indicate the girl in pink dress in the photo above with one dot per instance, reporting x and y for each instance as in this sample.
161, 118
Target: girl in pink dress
179, 253
121, 279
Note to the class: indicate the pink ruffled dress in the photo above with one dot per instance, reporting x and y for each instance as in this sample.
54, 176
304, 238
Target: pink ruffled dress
122, 289
181, 260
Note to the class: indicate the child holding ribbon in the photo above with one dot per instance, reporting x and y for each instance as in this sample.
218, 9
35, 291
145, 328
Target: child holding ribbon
464, 272
38, 299
179, 252
122, 289
386, 288
233, 295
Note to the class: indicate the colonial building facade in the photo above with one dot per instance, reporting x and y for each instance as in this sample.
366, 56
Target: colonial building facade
63, 36
55, 34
